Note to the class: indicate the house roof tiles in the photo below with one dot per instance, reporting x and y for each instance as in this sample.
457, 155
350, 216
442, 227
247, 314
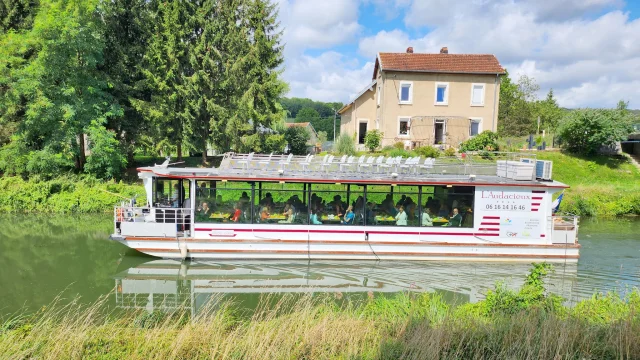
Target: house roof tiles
439, 63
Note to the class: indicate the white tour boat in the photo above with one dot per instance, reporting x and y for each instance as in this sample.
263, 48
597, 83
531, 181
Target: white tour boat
480, 207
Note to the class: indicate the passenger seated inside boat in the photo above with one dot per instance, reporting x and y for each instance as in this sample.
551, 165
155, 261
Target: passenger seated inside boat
401, 217
289, 217
236, 213
456, 219
264, 214
444, 211
426, 217
348, 216
203, 211
314, 218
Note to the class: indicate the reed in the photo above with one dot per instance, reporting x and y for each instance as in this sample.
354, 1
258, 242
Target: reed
508, 324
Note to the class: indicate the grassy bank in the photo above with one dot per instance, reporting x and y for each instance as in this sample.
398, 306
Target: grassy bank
600, 186
507, 325
64, 195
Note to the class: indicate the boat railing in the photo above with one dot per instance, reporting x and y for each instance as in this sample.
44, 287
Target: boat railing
130, 220
516, 166
564, 229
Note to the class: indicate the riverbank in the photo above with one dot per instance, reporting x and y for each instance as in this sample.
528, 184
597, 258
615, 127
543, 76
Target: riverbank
600, 186
528, 323
67, 194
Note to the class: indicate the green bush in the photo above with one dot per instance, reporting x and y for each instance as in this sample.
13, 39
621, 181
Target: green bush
373, 139
450, 152
297, 137
427, 151
399, 145
487, 140
586, 131
345, 145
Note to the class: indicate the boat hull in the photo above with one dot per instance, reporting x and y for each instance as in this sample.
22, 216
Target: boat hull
395, 248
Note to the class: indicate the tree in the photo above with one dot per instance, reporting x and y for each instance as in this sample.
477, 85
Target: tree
307, 114
586, 131
64, 90
297, 138
373, 139
548, 111
126, 34
164, 65
17, 14
516, 112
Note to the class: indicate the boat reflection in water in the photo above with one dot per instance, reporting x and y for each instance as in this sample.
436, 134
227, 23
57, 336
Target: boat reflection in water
166, 284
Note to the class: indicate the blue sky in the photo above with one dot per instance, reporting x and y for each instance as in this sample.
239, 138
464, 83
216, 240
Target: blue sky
588, 51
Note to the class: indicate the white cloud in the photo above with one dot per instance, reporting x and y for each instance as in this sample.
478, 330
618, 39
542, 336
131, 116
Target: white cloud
330, 76
586, 50
574, 56
392, 41
318, 24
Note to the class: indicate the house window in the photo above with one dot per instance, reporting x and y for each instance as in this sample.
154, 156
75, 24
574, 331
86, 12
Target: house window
477, 94
442, 93
403, 123
475, 126
406, 92
379, 91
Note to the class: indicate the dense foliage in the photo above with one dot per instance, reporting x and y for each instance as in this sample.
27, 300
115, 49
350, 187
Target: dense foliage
320, 114
373, 139
86, 84
520, 108
297, 137
586, 131
486, 140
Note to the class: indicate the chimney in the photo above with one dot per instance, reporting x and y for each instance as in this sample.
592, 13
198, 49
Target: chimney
444, 50
410, 50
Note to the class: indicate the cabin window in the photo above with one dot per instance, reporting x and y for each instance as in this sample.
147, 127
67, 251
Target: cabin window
336, 204
389, 205
281, 204
448, 206
223, 202
170, 193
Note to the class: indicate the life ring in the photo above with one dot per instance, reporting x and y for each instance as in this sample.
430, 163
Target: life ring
119, 214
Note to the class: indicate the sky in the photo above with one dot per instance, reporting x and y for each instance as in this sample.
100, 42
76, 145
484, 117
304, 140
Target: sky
587, 51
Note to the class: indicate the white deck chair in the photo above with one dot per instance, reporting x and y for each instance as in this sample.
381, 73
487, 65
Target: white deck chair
305, 164
246, 162
351, 161
379, 161
408, 164
386, 165
428, 164
285, 162
266, 161
368, 164
327, 165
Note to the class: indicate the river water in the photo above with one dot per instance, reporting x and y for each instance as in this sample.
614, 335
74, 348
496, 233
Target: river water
44, 258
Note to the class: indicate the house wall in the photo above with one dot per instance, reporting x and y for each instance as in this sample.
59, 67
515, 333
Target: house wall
362, 110
424, 111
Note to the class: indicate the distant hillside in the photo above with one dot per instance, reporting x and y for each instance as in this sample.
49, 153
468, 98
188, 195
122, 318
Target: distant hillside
324, 109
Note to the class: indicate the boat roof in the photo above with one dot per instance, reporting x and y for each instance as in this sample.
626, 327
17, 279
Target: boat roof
463, 170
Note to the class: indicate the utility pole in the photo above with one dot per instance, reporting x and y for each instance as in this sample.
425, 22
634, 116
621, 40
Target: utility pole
335, 116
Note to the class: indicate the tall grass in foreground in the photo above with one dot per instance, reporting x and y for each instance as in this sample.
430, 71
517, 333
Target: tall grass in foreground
528, 323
